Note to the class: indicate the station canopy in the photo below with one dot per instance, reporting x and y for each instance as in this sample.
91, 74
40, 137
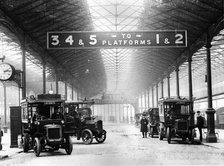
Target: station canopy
128, 70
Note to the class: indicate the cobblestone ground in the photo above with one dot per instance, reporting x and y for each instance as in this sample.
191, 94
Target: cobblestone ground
124, 146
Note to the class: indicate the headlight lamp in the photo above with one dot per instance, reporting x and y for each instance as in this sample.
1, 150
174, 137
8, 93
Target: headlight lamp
37, 123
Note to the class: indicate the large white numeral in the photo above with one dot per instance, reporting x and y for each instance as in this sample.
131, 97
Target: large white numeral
55, 40
157, 38
93, 39
179, 39
69, 40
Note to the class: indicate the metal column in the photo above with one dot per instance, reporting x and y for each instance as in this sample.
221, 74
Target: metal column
177, 82
190, 87
211, 137
23, 68
44, 77
73, 92
66, 89
145, 100
78, 95
157, 95
168, 86
5, 105
190, 78
162, 93
152, 97
141, 100
148, 98
56, 81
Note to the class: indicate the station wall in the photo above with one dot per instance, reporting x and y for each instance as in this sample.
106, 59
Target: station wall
114, 113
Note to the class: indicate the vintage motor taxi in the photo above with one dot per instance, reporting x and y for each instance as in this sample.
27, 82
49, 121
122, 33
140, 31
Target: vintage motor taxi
153, 114
176, 119
85, 125
43, 124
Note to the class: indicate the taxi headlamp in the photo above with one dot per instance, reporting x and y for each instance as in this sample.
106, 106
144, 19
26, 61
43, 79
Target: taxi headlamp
37, 123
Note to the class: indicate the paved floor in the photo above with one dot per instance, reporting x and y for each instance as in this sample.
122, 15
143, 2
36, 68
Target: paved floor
124, 146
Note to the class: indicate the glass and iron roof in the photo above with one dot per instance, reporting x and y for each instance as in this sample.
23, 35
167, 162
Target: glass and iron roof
98, 71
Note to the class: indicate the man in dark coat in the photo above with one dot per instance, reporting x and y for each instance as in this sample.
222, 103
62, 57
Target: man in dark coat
144, 126
200, 124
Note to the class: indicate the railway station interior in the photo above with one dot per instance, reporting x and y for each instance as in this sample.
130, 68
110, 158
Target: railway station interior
124, 76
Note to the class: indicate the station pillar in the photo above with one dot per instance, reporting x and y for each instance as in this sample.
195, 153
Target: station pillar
56, 81
148, 98
211, 137
66, 89
177, 81
146, 106
157, 95
162, 93
190, 78
168, 86
23, 68
44, 76
152, 96
190, 89
72, 91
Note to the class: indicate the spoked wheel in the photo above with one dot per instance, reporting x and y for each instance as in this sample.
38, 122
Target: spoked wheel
25, 143
161, 131
192, 135
37, 146
68, 146
0, 141
101, 138
169, 135
87, 136
151, 131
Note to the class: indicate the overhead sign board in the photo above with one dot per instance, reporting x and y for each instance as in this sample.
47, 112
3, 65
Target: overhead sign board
90, 39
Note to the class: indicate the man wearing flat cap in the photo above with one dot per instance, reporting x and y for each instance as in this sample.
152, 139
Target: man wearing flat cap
144, 128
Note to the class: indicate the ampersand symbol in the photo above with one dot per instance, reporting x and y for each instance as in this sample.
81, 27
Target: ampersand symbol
166, 41
81, 42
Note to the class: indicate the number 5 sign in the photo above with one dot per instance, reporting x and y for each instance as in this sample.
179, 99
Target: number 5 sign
88, 39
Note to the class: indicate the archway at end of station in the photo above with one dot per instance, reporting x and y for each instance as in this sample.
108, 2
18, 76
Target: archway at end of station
115, 113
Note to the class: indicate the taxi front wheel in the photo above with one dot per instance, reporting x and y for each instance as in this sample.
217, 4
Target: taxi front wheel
161, 133
68, 146
151, 131
37, 146
87, 136
25, 142
101, 138
169, 135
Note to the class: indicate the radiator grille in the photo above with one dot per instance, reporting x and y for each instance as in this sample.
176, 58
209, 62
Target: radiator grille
182, 125
54, 133
99, 124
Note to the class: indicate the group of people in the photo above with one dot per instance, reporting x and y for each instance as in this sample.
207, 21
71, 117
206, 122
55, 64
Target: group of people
199, 124
38, 115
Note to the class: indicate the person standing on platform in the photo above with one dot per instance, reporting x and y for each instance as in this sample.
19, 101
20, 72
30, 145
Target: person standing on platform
200, 124
144, 126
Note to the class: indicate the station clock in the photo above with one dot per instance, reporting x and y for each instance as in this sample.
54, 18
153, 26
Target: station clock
6, 71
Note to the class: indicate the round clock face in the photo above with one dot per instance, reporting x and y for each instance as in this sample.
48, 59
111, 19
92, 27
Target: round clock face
6, 71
